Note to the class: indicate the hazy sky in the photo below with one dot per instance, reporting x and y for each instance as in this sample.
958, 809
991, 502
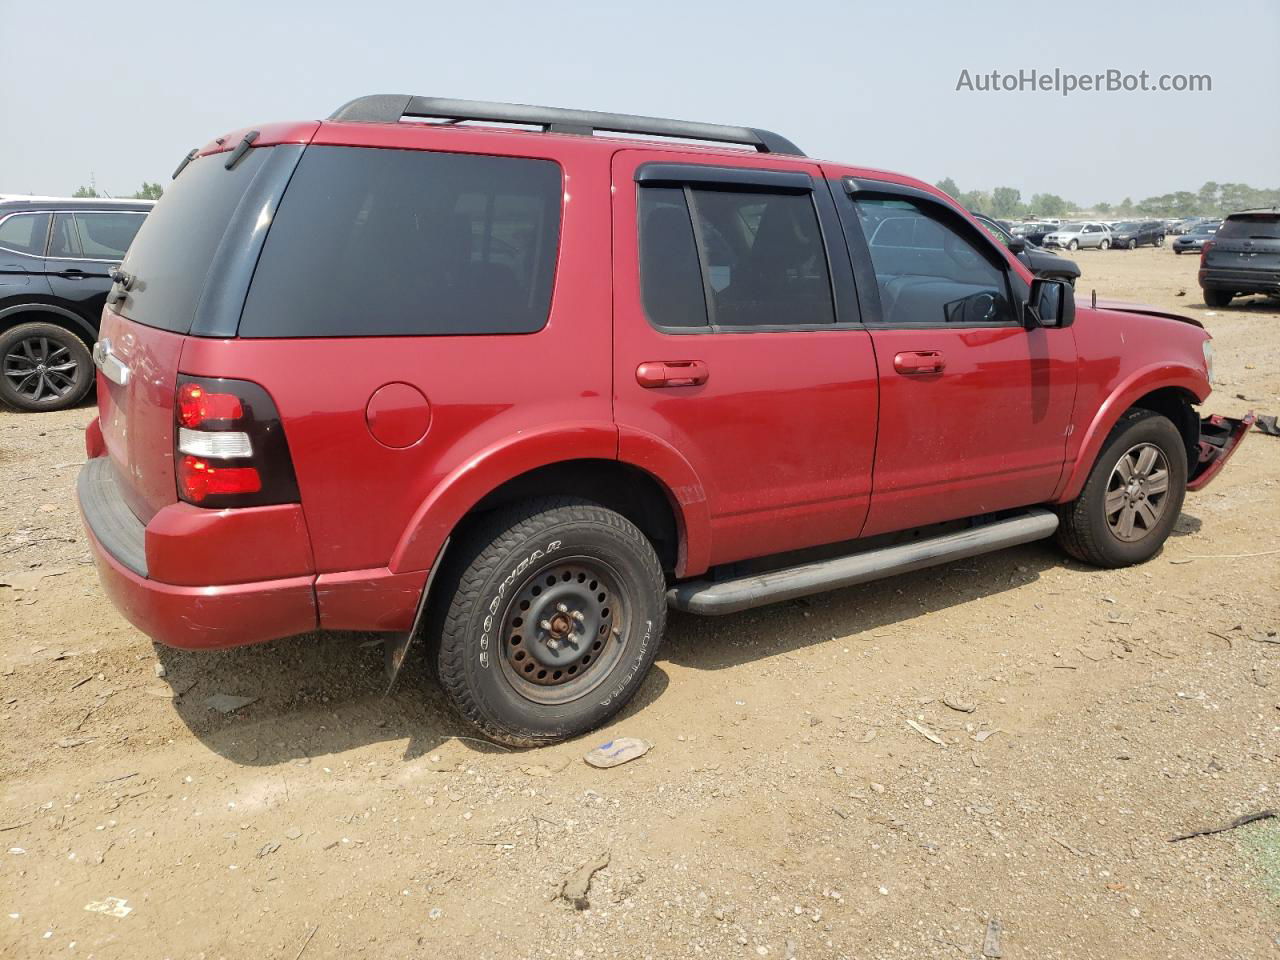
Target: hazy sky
122, 90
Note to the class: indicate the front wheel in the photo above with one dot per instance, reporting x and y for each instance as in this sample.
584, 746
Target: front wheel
1133, 244
1133, 495
1073, 245
43, 367
550, 617
1160, 241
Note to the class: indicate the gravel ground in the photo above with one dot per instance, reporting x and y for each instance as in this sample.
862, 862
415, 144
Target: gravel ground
813, 790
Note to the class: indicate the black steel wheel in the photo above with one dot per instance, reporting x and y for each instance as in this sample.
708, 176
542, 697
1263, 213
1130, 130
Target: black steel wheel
546, 619
43, 367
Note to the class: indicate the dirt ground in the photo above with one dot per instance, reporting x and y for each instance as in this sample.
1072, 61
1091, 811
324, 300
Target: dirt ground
788, 807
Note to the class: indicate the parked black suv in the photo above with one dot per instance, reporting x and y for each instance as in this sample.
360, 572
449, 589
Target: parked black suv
1243, 257
1039, 261
1137, 233
55, 262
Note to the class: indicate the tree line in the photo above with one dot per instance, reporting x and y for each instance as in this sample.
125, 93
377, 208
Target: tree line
148, 191
1212, 199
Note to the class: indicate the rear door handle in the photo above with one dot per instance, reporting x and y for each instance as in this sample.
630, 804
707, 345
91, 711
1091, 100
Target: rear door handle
916, 362
672, 373
71, 273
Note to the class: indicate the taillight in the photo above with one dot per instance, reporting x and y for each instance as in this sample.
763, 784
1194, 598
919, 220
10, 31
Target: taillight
230, 448
1204, 249
196, 405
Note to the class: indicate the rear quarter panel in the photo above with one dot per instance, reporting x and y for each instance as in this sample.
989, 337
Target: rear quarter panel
363, 501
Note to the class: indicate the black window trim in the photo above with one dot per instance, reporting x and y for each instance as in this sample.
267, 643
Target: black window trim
840, 281
48, 231
864, 270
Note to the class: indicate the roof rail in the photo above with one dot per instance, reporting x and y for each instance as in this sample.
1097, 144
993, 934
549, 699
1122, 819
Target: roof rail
391, 107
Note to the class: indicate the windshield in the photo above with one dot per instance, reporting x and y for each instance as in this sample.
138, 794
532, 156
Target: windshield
1071, 228
1127, 225
1261, 226
1206, 228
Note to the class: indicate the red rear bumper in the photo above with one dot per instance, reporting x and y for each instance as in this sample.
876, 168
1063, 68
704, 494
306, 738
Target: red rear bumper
1220, 437
201, 617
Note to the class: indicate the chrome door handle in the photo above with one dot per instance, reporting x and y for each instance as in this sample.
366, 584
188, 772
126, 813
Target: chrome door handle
112, 367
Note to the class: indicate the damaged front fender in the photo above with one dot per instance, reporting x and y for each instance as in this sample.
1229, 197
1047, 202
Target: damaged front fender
1219, 438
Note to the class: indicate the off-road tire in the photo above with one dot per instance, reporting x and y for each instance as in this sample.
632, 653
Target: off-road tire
1084, 531
1217, 298
473, 627
71, 349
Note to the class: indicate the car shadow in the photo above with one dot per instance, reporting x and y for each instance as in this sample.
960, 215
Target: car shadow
322, 694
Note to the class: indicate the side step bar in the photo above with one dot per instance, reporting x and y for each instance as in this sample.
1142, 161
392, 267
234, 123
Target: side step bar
730, 596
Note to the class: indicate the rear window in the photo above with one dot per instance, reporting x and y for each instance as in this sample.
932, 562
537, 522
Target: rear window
1254, 227
171, 253
383, 242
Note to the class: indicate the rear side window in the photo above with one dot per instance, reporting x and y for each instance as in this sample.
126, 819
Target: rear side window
732, 258
25, 233
171, 253
379, 242
1252, 227
106, 236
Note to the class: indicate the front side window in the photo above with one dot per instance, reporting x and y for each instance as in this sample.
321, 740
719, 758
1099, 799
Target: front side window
25, 233
927, 271
106, 236
732, 258
382, 242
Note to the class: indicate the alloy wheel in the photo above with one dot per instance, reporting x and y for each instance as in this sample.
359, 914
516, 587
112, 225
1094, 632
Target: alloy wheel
40, 369
1137, 492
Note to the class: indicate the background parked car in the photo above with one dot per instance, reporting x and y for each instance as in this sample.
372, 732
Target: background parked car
1196, 238
1034, 232
1074, 236
1242, 258
1131, 234
1035, 258
55, 262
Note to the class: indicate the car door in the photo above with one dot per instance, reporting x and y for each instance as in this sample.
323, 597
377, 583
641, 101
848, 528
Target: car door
22, 241
738, 348
974, 407
83, 248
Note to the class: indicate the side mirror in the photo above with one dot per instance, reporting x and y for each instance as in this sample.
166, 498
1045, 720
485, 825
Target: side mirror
1052, 303
1017, 245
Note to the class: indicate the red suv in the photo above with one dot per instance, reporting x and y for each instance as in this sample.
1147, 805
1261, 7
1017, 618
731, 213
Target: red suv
517, 391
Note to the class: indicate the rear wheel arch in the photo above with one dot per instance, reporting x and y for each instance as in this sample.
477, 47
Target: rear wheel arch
621, 487
17, 314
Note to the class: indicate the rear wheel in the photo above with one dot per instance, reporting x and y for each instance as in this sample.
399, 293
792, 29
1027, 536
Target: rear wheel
1133, 495
1217, 298
43, 367
551, 616
1103, 244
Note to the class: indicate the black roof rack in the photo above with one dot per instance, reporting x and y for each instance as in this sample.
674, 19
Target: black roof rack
391, 107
